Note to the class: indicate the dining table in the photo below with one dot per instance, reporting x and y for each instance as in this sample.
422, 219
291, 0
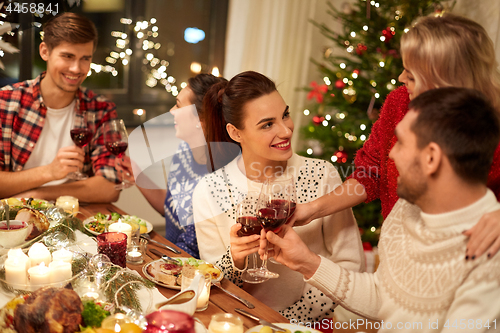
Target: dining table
219, 301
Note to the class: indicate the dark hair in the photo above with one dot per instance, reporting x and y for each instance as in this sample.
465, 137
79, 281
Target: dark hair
464, 124
223, 104
70, 28
199, 85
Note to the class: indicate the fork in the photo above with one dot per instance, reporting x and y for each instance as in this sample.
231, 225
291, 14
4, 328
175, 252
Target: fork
242, 300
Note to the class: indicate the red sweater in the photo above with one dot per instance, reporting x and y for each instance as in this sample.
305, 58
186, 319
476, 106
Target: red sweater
377, 172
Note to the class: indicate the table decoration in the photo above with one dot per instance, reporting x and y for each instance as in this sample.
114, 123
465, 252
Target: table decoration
114, 245
68, 203
136, 252
123, 228
169, 321
225, 323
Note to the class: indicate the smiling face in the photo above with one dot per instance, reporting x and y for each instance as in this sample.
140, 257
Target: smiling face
67, 65
185, 115
267, 132
407, 157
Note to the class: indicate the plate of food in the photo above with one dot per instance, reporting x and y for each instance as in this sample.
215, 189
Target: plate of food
38, 204
290, 328
97, 223
169, 275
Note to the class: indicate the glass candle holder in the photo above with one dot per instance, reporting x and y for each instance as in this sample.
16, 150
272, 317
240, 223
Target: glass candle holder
169, 321
68, 203
136, 251
113, 245
225, 323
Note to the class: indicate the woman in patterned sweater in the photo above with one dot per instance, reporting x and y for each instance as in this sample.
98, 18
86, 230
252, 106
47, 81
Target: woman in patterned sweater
188, 165
257, 119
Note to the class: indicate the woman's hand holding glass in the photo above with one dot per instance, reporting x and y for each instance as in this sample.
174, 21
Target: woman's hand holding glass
245, 235
124, 167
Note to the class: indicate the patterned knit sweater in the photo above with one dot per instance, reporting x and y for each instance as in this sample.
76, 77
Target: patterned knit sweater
423, 283
335, 236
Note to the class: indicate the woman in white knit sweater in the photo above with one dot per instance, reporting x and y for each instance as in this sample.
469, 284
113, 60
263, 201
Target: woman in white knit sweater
257, 119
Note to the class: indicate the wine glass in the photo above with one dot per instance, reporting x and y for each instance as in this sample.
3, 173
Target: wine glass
273, 210
116, 142
245, 215
81, 134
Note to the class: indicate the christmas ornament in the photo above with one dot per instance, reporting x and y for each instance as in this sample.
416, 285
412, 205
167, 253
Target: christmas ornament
339, 84
317, 120
349, 95
360, 49
341, 156
367, 246
388, 34
317, 91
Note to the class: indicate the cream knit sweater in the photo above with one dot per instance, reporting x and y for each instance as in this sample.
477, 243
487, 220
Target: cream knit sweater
423, 283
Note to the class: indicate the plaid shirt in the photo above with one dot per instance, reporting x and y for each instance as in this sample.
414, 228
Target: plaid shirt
22, 116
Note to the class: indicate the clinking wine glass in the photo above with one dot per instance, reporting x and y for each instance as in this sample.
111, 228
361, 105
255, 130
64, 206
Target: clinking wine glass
116, 142
81, 133
273, 210
245, 215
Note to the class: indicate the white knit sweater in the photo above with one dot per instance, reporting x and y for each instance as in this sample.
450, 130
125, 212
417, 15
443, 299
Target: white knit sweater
423, 283
335, 237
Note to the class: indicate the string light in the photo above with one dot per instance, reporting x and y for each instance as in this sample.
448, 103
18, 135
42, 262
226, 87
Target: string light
309, 151
362, 127
342, 65
306, 112
327, 80
365, 28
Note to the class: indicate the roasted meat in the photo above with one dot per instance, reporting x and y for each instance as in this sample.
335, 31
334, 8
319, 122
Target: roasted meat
49, 310
37, 221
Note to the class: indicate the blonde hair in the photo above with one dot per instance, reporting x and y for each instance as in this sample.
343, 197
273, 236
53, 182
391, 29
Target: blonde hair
449, 50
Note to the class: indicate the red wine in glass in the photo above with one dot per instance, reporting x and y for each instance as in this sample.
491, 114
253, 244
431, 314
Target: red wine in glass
272, 218
250, 225
117, 148
81, 136
81, 133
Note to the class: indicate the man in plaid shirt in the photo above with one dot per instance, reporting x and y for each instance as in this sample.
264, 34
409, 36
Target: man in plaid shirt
36, 116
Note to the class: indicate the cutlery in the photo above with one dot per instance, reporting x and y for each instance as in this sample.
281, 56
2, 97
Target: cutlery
164, 256
242, 300
150, 240
261, 321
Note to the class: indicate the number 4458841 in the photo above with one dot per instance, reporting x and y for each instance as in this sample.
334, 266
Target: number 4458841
470, 324
39, 8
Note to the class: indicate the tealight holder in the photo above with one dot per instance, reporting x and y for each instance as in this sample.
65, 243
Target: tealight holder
136, 251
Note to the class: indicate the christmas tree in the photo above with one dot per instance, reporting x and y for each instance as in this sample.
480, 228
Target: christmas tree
343, 108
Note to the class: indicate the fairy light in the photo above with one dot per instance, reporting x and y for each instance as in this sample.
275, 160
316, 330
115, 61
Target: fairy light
309, 151
342, 65
406, 30
362, 137
306, 112
377, 95
382, 38
345, 80
365, 28
382, 64
327, 81
350, 49
325, 123
362, 127
393, 81
353, 34
334, 158
328, 117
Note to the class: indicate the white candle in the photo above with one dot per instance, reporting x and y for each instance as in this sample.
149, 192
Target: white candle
63, 255
224, 327
60, 271
39, 253
39, 275
203, 298
23, 258
15, 271
121, 227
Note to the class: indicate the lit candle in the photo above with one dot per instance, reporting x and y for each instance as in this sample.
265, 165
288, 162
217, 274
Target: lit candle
203, 297
68, 203
15, 271
121, 227
39, 275
60, 271
21, 256
39, 253
225, 327
63, 255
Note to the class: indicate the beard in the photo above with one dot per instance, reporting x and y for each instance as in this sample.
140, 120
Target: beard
412, 186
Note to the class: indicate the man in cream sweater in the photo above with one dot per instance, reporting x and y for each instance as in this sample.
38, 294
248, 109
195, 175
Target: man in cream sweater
424, 282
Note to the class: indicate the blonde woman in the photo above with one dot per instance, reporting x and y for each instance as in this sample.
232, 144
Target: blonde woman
440, 51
